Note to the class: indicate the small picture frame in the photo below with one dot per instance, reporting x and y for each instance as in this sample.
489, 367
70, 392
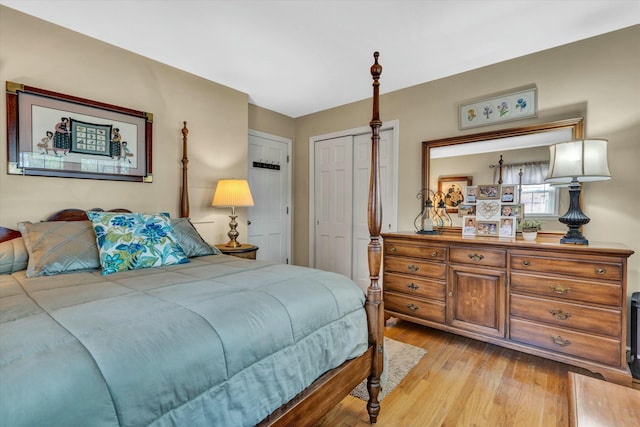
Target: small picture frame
512, 210
507, 227
508, 193
487, 228
488, 192
465, 210
488, 210
469, 226
471, 193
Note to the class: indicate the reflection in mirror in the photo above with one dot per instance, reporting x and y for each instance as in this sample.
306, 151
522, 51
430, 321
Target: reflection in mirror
525, 156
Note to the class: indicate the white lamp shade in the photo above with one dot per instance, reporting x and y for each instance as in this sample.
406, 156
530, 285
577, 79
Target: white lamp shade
584, 160
232, 193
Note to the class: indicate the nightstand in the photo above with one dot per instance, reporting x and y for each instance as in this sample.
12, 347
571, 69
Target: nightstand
243, 251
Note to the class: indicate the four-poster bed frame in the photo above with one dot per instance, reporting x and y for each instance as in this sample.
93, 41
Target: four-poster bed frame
312, 404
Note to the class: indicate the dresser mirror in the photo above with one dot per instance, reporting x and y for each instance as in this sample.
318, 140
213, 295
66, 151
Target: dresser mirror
477, 157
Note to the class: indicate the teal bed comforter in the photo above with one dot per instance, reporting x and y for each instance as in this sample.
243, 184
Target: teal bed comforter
220, 341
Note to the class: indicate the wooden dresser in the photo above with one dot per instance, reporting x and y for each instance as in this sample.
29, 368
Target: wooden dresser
561, 302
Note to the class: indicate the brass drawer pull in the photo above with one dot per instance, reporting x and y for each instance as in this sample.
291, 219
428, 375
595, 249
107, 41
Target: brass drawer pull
476, 257
412, 307
413, 286
559, 289
413, 268
559, 314
434, 254
559, 341
600, 270
392, 249
525, 263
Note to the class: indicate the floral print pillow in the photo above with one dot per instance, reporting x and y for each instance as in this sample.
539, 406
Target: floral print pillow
129, 241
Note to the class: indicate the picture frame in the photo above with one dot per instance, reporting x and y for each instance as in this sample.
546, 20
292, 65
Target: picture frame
488, 192
507, 227
487, 228
512, 210
469, 226
471, 194
508, 193
488, 210
58, 135
453, 188
515, 104
464, 210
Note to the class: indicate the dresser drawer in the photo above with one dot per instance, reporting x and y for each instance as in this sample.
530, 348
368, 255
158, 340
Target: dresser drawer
416, 307
567, 289
567, 315
563, 341
577, 268
412, 285
435, 270
478, 256
425, 252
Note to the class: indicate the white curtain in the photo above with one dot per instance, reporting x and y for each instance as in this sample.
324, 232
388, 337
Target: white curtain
532, 173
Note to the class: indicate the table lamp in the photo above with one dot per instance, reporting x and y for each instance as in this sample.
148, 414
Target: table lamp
571, 163
232, 193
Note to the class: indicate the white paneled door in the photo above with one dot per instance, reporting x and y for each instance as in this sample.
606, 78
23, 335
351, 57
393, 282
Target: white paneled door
341, 191
333, 196
270, 182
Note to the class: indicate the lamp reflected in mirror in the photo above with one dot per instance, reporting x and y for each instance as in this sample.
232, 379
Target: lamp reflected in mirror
571, 163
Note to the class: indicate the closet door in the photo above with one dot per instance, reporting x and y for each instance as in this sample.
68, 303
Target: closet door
333, 190
361, 177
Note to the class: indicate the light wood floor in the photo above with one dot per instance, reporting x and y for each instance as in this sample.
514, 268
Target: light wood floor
463, 382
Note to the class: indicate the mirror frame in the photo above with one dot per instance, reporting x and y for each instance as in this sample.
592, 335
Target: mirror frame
576, 125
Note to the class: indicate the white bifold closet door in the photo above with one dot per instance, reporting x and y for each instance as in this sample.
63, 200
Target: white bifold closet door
341, 196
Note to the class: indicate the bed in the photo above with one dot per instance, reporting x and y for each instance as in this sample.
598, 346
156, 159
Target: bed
187, 337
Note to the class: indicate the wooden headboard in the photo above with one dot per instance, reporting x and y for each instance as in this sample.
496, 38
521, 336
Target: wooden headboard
74, 214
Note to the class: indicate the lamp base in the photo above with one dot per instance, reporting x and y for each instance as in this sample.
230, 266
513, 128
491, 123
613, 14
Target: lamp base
233, 244
233, 233
574, 218
574, 238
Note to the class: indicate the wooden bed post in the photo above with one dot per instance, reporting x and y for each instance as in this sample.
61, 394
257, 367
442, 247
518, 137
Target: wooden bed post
374, 305
184, 192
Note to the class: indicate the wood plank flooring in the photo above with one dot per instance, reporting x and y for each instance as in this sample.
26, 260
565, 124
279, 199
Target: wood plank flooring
466, 383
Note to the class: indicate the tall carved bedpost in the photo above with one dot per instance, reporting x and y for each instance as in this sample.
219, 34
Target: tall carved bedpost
184, 192
374, 304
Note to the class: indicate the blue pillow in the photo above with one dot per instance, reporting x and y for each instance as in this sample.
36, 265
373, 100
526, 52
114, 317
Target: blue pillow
129, 241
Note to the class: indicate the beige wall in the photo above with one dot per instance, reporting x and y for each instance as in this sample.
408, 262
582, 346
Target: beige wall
268, 121
46, 56
597, 79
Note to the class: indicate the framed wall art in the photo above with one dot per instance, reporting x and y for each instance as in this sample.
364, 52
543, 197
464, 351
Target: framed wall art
515, 105
52, 134
454, 189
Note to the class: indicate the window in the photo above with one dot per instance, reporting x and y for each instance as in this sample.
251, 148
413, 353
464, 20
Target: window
539, 200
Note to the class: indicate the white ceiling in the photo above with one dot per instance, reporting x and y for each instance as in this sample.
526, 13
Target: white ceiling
299, 57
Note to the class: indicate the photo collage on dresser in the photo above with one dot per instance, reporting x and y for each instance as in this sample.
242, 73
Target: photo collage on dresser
490, 210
